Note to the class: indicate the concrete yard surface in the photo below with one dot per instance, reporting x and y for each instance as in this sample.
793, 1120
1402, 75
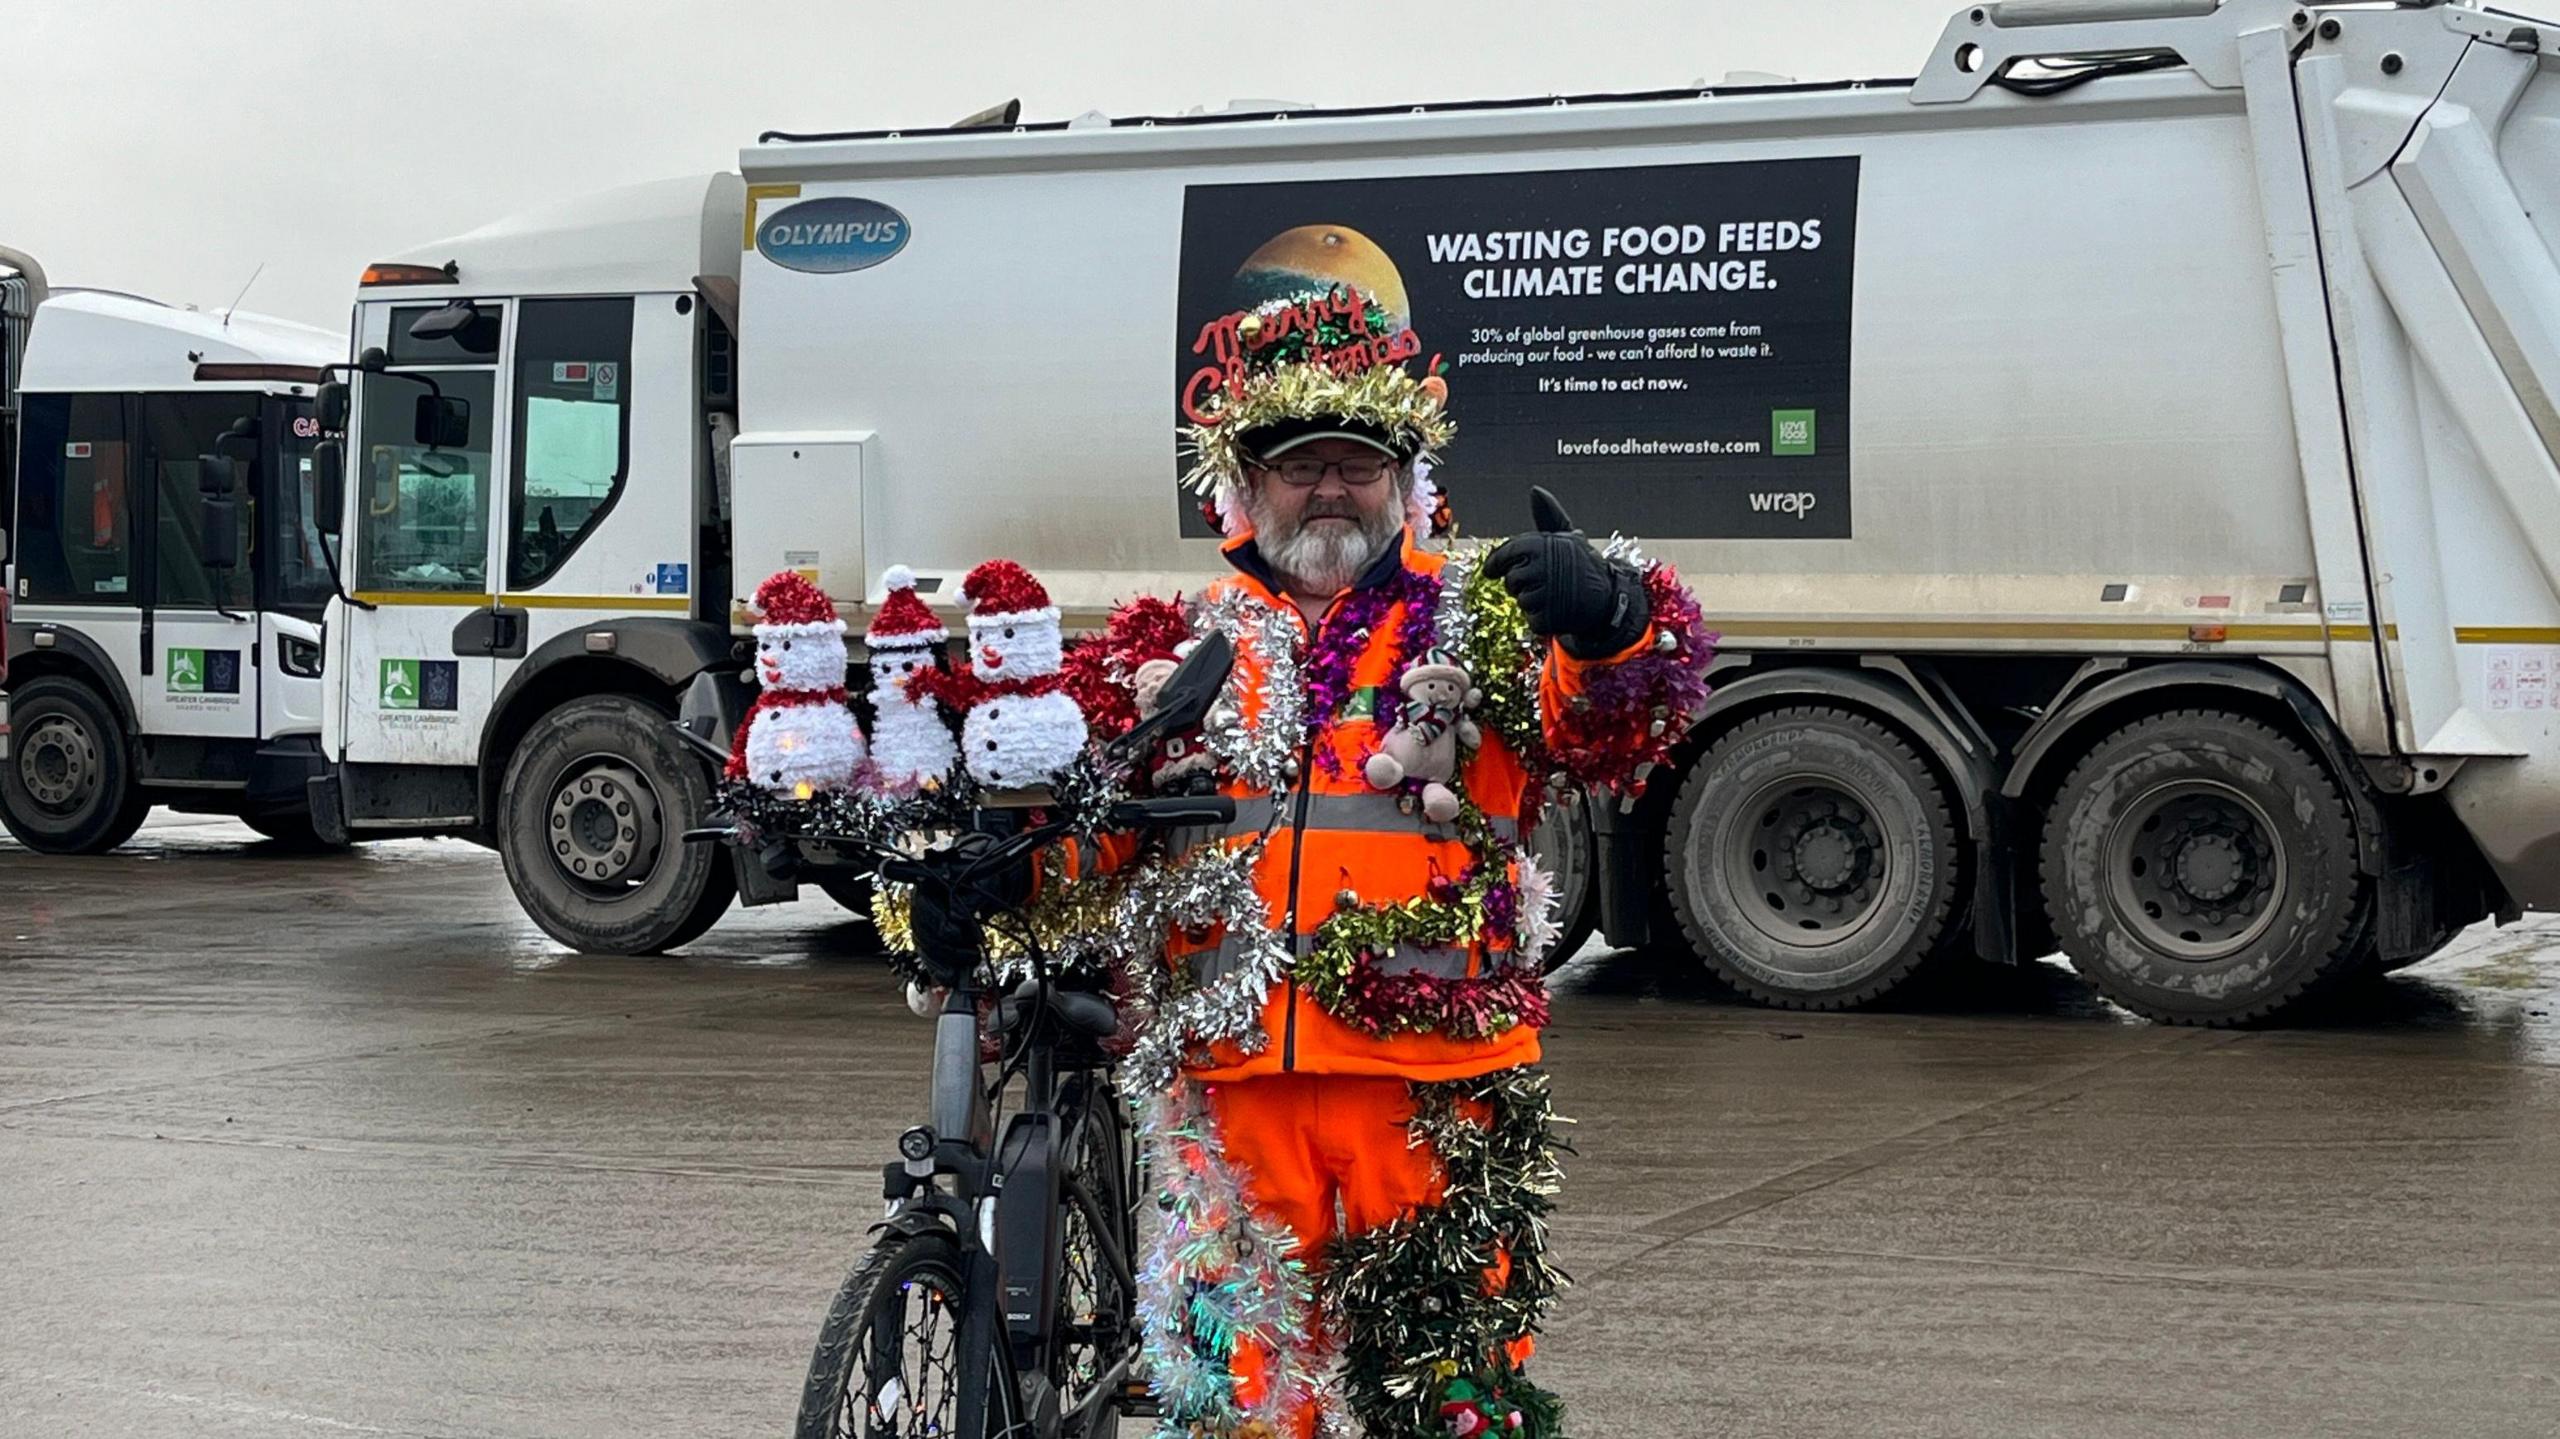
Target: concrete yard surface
341, 1145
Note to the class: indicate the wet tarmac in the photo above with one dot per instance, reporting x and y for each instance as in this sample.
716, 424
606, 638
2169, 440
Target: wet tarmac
344, 1146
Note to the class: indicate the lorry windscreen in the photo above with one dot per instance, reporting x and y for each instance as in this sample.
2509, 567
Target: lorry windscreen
424, 523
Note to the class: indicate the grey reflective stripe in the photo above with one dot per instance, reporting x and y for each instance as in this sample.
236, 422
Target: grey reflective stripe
1417, 959
1376, 812
1211, 965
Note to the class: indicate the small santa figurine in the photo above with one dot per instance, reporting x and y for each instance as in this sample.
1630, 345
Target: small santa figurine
911, 744
1022, 727
801, 736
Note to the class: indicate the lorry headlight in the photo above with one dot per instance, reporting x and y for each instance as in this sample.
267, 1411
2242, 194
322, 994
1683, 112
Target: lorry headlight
300, 658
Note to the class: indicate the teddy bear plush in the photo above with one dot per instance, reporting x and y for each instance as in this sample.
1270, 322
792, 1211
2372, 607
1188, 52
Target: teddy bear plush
1430, 736
1181, 764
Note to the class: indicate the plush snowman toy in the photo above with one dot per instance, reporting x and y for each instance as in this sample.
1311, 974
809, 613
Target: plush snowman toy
911, 744
1022, 726
801, 737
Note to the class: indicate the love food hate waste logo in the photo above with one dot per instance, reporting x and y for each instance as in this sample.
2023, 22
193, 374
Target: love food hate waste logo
1791, 432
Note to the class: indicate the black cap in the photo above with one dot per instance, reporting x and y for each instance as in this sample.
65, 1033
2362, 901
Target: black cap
1278, 438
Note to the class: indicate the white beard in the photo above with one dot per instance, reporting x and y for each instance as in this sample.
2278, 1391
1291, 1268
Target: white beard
1325, 561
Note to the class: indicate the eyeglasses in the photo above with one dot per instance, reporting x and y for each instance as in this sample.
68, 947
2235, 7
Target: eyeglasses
1358, 473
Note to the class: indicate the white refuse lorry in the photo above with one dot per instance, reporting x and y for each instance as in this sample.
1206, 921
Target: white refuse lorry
2120, 460
167, 572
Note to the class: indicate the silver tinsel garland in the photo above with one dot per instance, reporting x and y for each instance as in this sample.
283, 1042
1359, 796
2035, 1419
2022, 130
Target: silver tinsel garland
1258, 745
1213, 1275
1207, 889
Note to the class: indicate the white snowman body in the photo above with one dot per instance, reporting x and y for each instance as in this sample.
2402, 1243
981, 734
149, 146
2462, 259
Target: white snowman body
1012, 741
802, 736
910, 743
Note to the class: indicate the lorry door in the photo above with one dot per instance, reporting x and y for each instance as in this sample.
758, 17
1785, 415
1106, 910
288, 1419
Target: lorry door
422, 545
203, 642
598, 504
79, 540
293, 572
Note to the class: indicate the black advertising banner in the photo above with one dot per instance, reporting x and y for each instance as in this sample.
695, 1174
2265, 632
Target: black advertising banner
1665, 347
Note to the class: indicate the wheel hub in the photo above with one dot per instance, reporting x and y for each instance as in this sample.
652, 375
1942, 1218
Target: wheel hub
58, 762
2209, 865
2193, 869
1814, 856
605, 825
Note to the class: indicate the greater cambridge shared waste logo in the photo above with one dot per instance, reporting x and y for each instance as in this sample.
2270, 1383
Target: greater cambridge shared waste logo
202, 672
1791, 432
420, 685
399, 684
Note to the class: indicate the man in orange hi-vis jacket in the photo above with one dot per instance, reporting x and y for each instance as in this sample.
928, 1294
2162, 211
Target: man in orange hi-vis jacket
1352, 1140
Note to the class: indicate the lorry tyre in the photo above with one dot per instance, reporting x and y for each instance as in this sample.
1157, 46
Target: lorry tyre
2200, 868
591, 822
68, 786
852, 892
1563, 846
1812, 858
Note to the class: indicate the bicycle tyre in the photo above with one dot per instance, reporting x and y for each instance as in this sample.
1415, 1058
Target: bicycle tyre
845, 1364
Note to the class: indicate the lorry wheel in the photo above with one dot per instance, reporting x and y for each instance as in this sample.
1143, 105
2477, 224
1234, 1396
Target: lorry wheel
591, 821
852, 893
2200, 868
1562, 844
68, 786
1812, 859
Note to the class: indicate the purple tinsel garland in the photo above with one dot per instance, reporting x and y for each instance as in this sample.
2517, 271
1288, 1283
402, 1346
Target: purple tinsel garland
1345, 636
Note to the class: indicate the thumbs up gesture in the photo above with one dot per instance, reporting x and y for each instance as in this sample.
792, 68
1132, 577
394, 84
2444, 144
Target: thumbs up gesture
1591, 607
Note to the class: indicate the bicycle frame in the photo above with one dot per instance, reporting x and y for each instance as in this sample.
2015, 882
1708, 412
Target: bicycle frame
1004, 1205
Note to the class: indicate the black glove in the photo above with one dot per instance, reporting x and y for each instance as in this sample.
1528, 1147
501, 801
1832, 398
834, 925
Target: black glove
1593, 608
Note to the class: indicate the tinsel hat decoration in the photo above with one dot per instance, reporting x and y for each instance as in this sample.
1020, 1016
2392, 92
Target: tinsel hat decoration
903, 621
788, 604
1293, 369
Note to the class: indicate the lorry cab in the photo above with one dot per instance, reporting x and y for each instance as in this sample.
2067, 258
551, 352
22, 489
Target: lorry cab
536, 572
167, 575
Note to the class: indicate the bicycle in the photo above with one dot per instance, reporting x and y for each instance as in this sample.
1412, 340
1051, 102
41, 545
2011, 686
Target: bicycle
999, 1299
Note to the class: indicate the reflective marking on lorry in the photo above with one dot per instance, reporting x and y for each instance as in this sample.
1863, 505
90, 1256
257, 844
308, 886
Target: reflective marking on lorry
431, 599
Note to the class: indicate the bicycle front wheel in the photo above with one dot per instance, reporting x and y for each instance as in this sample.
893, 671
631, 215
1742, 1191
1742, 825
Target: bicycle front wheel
888, 1358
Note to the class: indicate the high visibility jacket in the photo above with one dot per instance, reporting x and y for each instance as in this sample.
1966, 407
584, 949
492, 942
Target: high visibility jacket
1334, 839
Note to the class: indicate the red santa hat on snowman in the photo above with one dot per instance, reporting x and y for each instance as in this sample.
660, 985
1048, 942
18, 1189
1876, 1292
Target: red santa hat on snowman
1013, 628
903, 621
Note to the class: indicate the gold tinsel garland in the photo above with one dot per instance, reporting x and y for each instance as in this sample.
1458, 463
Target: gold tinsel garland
1386, 396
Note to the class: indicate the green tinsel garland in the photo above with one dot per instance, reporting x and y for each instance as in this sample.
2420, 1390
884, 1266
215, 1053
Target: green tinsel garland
1410, 1298
1487, 631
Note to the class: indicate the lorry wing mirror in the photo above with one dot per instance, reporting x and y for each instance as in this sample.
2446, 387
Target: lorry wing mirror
333, 406
239, 440
328, 484
216, 475
444, 422
444, 322
218, 542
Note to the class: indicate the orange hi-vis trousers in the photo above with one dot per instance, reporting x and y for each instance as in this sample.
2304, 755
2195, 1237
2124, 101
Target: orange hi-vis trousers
1328, 1155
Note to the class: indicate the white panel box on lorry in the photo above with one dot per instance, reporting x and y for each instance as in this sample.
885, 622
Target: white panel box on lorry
797, 502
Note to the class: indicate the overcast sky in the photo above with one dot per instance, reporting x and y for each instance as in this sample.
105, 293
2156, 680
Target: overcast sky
169, 147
